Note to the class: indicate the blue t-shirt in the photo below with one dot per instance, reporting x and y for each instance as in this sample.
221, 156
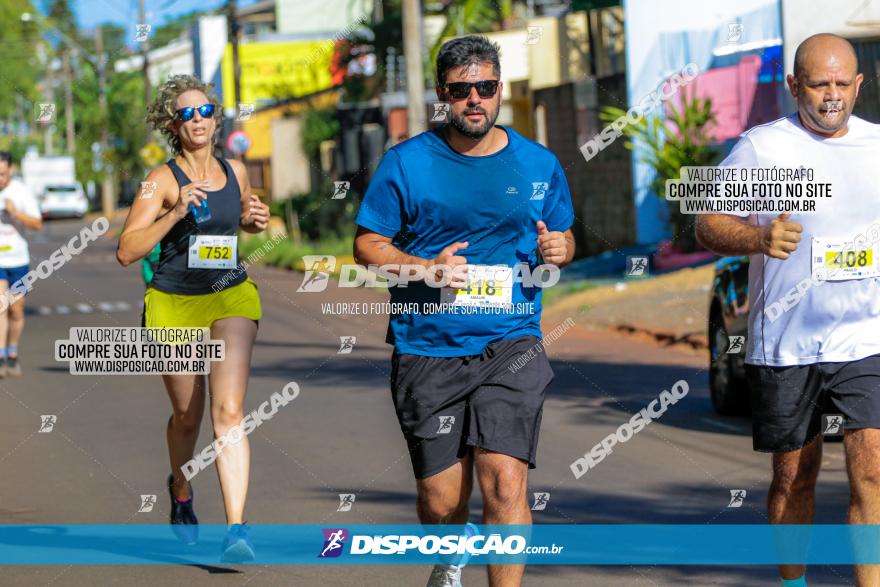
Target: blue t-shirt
426, 196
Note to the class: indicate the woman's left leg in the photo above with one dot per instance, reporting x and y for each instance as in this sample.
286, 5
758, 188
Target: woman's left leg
228, 381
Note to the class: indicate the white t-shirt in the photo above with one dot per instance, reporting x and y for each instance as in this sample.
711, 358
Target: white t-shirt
834, 321
13, 247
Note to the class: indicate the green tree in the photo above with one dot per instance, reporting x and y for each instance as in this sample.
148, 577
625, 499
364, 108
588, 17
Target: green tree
127, 128
464, 17
115, 40
124, 122
387, 36
388, 32
124, 105
681, 139
21, 67
318, 126
63, 18
308, 215
89, 121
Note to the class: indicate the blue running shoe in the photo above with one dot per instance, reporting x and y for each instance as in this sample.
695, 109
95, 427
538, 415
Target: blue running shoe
237, 547
449, 575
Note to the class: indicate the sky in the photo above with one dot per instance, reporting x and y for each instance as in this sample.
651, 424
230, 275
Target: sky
125, 12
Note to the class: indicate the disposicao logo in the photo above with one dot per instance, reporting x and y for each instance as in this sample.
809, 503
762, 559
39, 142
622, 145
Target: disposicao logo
334, 542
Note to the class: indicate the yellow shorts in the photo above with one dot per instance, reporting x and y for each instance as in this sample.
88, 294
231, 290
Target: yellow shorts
162, 309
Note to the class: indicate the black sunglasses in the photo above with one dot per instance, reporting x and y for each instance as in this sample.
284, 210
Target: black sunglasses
205, 111
485, 88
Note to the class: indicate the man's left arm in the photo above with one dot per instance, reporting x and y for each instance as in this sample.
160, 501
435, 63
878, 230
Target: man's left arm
557, 248
555, 239
28, 215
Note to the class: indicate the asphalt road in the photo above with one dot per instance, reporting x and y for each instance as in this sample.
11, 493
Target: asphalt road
341, 436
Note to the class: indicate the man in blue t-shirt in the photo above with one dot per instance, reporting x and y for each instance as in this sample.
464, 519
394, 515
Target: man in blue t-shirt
483, 215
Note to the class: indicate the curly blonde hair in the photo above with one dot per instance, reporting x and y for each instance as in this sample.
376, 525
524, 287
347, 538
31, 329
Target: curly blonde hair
162, 112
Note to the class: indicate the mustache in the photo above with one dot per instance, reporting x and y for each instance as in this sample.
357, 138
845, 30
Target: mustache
476, 110
832, 105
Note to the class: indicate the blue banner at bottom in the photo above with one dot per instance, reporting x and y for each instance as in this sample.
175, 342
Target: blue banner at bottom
571, 544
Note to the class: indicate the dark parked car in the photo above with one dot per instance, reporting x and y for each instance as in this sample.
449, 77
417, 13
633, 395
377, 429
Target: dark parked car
728, 316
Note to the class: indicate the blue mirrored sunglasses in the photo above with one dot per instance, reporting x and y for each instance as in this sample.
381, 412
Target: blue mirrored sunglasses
205, 111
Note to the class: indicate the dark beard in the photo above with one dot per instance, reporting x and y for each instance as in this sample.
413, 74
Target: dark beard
459, 123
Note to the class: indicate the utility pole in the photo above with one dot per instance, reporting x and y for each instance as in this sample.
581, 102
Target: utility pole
69, 44
68, 101
108, 196
415, 80
19, 115
148, 94
232, 25
48, 96
378, 12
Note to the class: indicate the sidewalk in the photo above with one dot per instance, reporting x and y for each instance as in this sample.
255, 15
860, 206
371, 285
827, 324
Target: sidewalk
672, 308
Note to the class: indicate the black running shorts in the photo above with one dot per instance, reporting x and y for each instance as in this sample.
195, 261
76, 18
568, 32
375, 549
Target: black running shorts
788, 402
493, 401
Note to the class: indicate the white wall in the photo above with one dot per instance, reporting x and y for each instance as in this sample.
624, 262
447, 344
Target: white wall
514, 59
174, 58
847, 18
178, 57
212, 39
290, 166
319, 16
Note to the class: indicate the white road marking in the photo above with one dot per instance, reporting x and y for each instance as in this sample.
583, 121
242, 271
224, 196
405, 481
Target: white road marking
82, 308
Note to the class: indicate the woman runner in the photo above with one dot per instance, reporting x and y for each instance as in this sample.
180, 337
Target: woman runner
193, 206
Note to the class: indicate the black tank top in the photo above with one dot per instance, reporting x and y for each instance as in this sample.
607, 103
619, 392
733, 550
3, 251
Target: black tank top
173, 275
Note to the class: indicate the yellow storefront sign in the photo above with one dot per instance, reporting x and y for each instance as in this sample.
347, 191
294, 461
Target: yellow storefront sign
278, 71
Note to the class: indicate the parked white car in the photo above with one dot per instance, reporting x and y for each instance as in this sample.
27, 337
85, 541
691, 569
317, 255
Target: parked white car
60, 201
